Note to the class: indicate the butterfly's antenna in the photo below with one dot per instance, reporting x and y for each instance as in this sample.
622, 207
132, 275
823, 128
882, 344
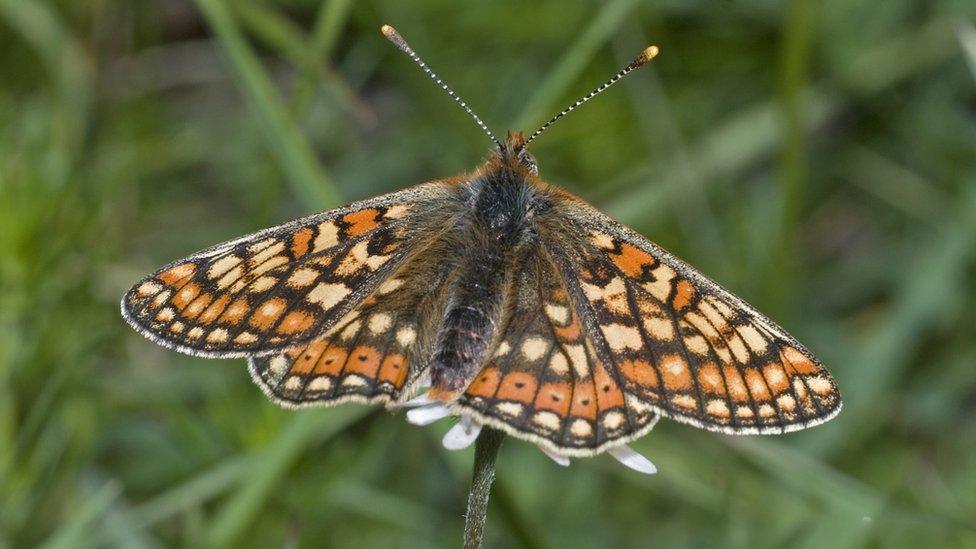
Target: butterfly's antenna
393, 36
649, 53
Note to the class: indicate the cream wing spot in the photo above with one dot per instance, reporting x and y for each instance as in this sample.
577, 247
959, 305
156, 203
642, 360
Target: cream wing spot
717, 408
721, 306
613, 420
738, 349
293, 383
262, 284
546, 420
328, 236
328, 295
660, 288
684, 401
786, 403
278, 365
319, 384
577, 357
558, 363
405, 336
353, 380
533, 348
148, 288
267, 253
271, 308
379, 323
261, 245
302, 277
714, 317
659, 328
697, 345
753, 339
601, 240
389, 286
166, 314
230, 277
218, 335
557, 313
820, 385
269, 264
397, 211
350, 330
509, 408
621, 337
581, 428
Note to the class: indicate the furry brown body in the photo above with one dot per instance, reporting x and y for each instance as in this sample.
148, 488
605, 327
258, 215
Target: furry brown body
496, 235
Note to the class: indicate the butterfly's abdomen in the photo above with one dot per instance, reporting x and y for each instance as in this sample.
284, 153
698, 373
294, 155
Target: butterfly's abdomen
469, 324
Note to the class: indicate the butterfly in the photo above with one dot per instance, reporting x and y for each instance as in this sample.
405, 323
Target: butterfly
518, 304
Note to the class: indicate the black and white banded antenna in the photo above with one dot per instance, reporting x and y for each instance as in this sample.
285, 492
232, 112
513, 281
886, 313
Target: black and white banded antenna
649, 53
393, 36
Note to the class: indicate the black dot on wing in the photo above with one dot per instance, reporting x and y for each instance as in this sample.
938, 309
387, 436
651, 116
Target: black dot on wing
519, 385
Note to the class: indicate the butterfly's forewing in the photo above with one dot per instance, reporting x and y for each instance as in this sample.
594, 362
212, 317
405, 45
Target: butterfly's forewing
681, 343
285, 285
376, 350
543, 382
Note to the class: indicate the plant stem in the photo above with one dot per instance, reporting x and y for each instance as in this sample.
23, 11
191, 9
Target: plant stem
485, 452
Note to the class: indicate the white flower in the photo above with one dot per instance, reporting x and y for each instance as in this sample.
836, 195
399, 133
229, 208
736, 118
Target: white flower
425, 410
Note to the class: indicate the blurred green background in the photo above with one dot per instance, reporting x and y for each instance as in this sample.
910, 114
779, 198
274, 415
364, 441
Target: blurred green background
818, 158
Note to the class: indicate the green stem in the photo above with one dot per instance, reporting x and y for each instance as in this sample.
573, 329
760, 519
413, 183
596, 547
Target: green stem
485, 452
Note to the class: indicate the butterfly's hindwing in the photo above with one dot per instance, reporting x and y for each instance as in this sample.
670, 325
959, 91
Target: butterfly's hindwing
542, 381
284, 285
684, 345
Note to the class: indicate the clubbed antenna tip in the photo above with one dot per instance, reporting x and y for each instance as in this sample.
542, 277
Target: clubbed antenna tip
650, 52
392, 35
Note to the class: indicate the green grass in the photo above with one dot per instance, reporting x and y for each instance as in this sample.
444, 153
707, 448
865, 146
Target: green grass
818, 158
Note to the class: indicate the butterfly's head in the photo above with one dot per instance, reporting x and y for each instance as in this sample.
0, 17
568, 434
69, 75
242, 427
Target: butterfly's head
514, 154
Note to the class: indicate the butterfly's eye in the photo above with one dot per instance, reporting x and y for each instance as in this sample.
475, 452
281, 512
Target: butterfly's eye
528, 161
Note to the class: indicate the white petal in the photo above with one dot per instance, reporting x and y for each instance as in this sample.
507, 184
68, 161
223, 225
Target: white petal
558, 458
421, 400
462, 435
630, 458
428, 414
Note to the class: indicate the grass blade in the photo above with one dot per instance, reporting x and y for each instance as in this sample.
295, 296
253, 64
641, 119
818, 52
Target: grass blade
293, 152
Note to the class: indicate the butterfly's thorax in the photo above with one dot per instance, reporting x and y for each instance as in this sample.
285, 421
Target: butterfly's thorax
493, 238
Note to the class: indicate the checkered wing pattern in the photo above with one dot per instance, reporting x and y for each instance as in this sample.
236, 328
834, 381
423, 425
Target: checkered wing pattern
679, 343
544, 382
285, 285
376, 352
